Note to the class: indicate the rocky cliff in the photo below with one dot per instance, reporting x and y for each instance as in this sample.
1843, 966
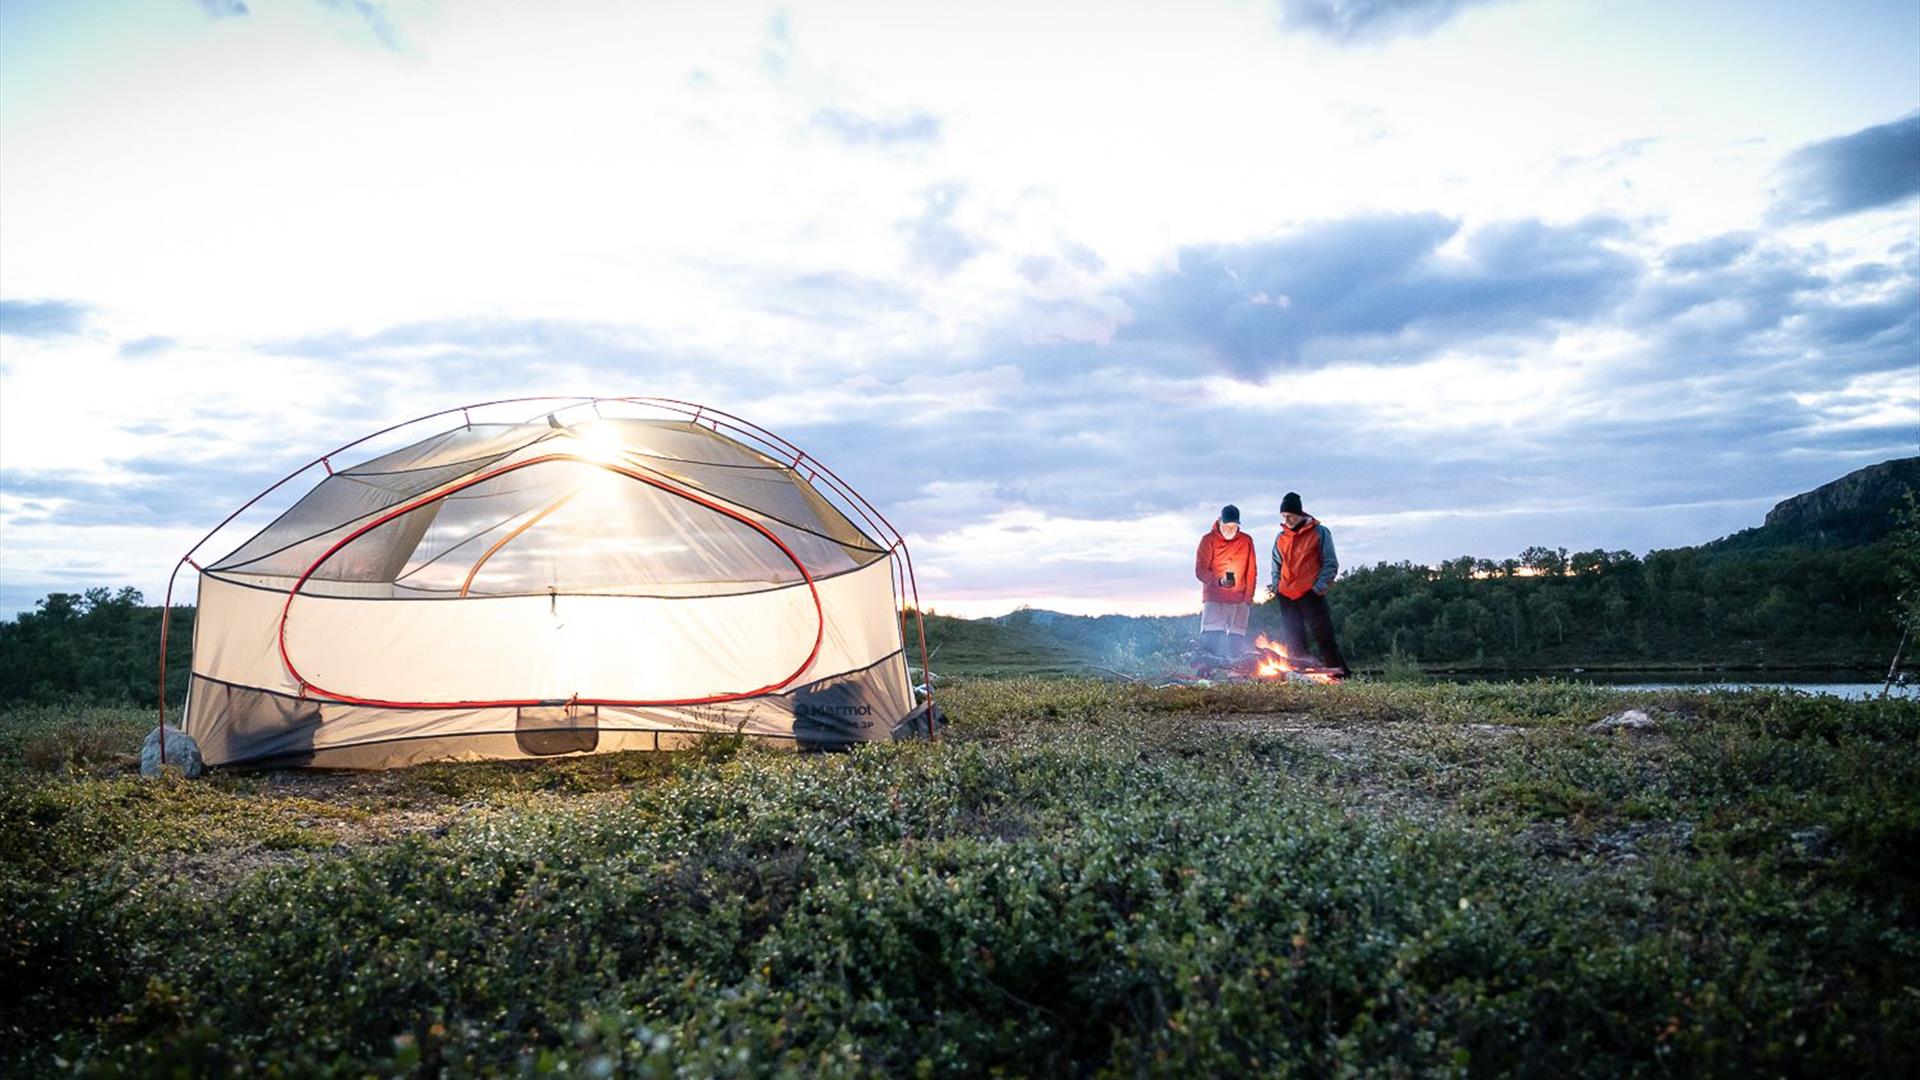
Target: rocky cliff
1857, 508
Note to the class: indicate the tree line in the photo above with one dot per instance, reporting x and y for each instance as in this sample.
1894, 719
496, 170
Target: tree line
1549, 608
99, 646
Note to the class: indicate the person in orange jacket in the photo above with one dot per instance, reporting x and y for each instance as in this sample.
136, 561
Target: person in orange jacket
1224, 565
1304, 567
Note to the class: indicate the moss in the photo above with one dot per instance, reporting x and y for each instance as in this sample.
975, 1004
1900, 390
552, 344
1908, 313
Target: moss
1086, 877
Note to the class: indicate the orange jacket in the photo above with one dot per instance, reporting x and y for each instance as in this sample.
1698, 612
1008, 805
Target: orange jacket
1301, 559
1216, 556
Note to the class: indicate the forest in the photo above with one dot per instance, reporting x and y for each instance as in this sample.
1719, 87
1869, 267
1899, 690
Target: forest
1789, 607
98, 647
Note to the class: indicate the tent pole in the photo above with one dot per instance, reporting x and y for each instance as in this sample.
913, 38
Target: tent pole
166, 620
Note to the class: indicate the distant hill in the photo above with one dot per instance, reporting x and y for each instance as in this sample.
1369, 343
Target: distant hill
1856, 509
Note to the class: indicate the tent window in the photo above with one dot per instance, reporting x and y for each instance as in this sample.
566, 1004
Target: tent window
545, 730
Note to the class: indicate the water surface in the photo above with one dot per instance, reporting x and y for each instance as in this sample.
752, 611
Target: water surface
1842, 684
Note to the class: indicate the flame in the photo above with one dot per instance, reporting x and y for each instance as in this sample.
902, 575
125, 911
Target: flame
1273, 662
1276, 664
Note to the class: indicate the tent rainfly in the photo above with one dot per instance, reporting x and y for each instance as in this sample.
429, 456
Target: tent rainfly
579, 582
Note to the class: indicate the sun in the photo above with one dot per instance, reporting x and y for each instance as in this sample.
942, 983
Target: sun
598, 442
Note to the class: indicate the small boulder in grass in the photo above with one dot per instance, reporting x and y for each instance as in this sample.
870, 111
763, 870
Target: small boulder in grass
182, 753
1628, 720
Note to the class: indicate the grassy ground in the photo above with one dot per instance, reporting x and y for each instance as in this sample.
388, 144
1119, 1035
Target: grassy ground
985, 647
1086, 878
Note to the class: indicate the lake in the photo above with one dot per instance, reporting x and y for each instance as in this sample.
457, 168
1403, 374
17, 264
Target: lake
1843, 684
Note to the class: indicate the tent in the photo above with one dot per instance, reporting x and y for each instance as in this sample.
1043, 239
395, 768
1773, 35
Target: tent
603, 574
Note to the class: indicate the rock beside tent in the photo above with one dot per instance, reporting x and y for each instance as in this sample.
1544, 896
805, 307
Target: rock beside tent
182, 753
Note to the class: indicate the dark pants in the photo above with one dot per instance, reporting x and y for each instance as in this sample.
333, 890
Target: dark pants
1222, 644
1306, 629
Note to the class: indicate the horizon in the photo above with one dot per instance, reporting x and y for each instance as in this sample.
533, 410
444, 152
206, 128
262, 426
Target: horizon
1470, 275
1174, 609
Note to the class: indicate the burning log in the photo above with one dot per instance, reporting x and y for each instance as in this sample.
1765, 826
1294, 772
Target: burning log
1268, 662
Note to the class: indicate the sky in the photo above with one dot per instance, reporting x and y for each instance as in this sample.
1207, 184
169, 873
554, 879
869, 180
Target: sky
1048, 283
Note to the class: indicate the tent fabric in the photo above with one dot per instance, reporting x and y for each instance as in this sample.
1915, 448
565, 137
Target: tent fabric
635, 579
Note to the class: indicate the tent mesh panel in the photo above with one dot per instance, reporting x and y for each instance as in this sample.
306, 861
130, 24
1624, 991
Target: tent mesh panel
564, 527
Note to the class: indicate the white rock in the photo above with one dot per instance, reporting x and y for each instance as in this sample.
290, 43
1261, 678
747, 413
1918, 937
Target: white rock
1629, 720
182, 753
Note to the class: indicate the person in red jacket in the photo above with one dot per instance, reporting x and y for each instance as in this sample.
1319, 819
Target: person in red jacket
1225, 568
1304, 567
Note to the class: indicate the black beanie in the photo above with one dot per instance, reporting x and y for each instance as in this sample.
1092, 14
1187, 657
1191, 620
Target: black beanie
1290, 504
1231, 513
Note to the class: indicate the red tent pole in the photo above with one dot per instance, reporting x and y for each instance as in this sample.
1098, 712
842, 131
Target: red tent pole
166, 618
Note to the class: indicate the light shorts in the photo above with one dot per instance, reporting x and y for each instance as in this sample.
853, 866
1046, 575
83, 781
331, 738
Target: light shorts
1229, 617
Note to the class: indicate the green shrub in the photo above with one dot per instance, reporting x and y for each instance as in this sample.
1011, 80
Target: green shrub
1085, 878
1402, 666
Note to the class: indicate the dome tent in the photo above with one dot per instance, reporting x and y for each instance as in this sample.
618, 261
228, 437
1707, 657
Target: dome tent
611, 574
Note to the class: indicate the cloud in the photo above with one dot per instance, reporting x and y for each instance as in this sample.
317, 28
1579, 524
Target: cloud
146, 346
148, 491
1722, 292
1612, 157
42, 318
374, 15
933, 241
1865, 335
1377, 284
915, 128
1884, 403
1349, 22
1873, 167
776, 55
369, 12
475, 348
1732, 302
829, 299
1709, 254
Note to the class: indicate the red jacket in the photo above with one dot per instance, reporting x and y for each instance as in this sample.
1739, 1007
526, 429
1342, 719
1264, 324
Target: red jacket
1300, 559
1216, 556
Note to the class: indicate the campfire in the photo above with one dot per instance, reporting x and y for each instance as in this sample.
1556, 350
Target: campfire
1268, 661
